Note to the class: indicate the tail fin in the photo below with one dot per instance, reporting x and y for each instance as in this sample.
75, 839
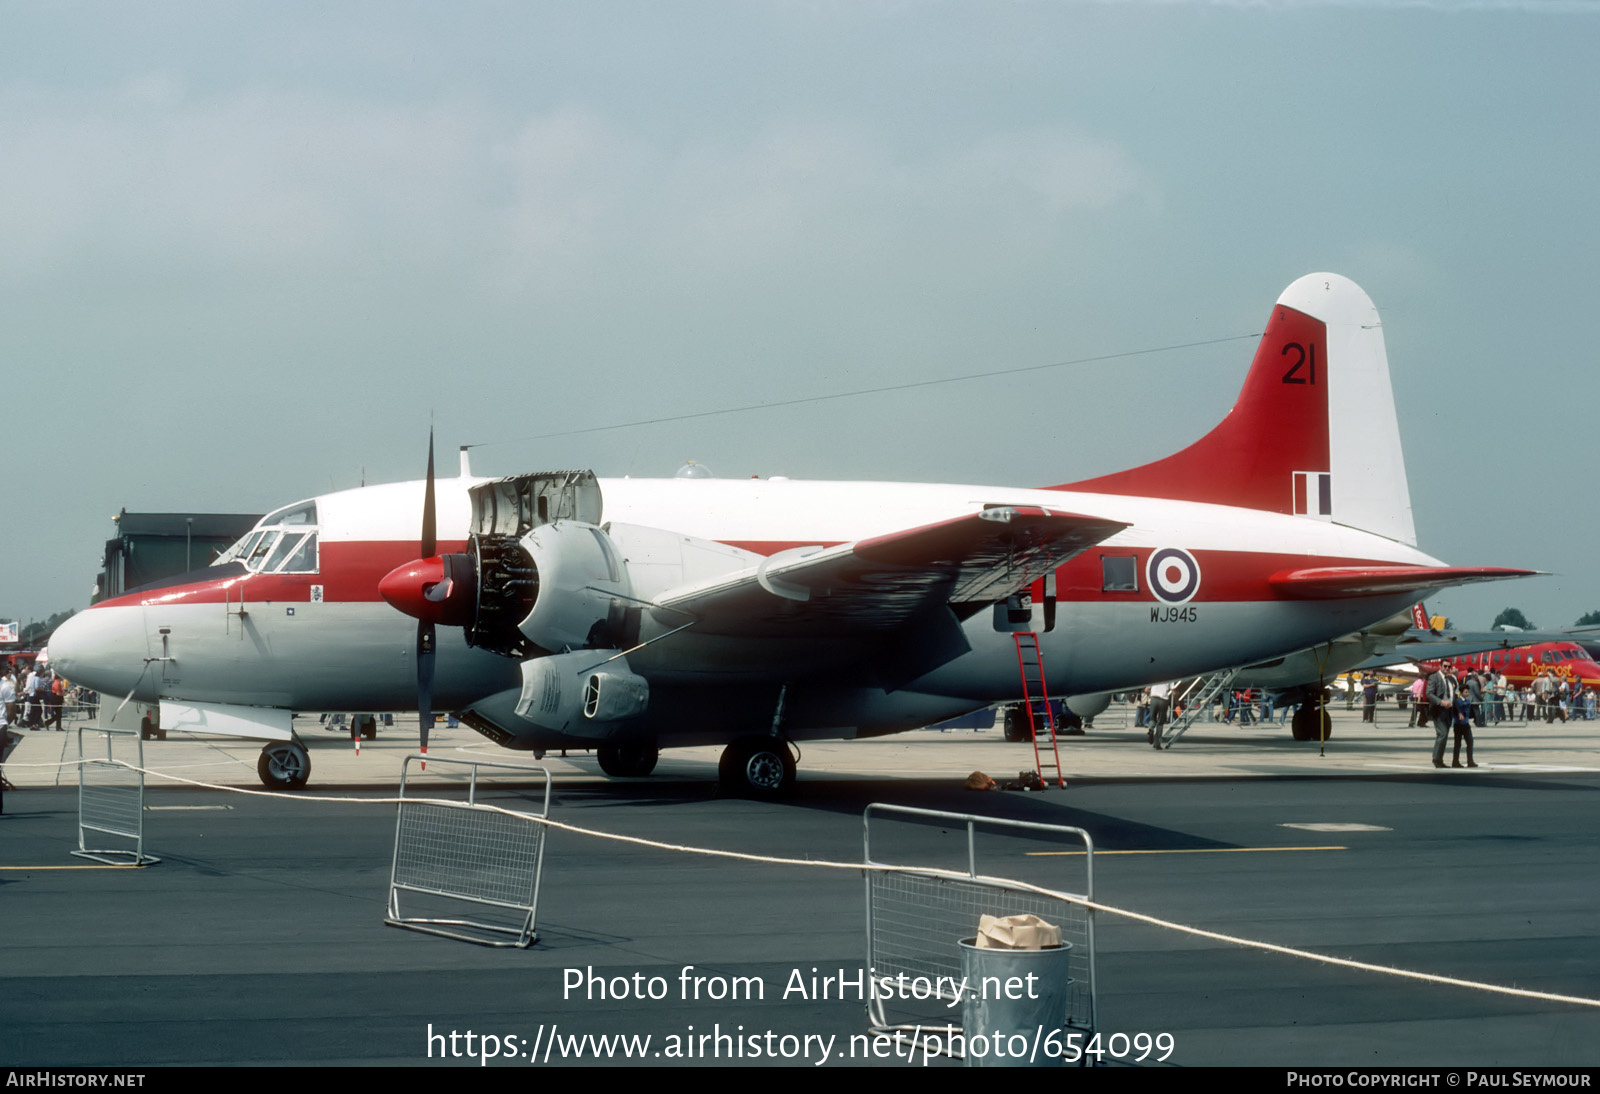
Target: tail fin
1314, 430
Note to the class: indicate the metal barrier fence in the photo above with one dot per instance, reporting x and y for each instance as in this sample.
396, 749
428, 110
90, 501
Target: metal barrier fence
447, 854
111, 796
915, 919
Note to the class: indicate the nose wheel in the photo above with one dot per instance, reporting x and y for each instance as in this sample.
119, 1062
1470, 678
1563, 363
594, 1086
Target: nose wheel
284, 765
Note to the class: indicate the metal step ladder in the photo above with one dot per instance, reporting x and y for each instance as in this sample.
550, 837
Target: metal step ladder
1196, 700
1030, 665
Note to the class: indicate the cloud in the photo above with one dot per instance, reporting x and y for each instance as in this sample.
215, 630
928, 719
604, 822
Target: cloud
1537, 7
261, 181
584, 188
257, 179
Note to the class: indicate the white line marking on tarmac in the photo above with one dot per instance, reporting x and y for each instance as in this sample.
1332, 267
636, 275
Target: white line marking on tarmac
1335, 826
1494, 767
183, 808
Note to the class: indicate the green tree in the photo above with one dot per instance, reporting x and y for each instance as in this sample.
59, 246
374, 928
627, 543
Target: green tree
1588, 619
1513, 617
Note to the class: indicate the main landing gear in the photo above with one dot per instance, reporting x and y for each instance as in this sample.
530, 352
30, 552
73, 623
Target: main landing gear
1304, 724
628, 759
757, 766
284, 765
754, 766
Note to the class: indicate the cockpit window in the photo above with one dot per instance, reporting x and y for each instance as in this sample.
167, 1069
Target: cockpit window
263, 547
304, 513
285, 545
304, 559
240, 549
284, 541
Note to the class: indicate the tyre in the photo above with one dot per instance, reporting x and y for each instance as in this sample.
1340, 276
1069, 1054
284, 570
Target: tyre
1016, 723
628, 759
1304, 724
757, 767
284, 765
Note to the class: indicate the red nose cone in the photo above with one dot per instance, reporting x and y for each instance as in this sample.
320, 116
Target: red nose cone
424, 589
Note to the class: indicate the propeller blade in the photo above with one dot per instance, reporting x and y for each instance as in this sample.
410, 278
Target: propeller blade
429, 525
425, 633
425, 680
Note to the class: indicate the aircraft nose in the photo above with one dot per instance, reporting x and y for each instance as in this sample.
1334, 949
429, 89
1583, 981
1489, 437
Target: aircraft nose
101, 648
438, 589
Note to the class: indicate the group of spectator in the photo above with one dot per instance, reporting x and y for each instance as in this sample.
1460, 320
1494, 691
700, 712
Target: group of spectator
1244, 706
32, 698
1494, 699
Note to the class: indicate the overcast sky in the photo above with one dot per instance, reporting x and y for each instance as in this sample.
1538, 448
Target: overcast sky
246, 249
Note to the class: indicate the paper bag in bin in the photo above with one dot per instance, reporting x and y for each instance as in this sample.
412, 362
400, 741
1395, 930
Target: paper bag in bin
1017, 932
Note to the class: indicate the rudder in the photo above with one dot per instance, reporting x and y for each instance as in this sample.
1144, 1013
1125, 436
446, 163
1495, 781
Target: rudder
1314, 430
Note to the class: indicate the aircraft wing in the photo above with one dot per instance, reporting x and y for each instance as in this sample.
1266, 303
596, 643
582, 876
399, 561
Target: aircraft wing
1427, 646
1333, 582
878, 584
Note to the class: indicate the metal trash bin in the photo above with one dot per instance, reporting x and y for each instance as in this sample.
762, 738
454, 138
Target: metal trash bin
1025, 1024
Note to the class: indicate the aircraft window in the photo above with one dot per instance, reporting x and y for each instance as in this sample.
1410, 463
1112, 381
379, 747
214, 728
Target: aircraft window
260, 551
1119, 574
1546, 658
304, 559
304, 513
287, 543
241, 549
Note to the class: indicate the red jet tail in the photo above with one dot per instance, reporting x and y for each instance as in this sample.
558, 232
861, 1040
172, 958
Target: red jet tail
1314, 431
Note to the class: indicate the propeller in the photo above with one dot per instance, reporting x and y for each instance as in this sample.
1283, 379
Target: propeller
425, 632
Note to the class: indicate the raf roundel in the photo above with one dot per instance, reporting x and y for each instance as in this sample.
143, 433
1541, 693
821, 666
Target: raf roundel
1173, 575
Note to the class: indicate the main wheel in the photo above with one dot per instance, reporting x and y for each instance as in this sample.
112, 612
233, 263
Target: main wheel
757, 767
284, 765
1304, 723
1016, 723
628, 759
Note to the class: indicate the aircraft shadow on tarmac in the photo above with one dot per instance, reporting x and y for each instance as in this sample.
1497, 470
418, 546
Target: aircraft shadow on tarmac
850, 797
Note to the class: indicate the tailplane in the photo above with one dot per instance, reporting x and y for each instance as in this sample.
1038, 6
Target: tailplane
1314, 431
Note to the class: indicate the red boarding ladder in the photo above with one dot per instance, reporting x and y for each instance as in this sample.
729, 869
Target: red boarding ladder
1030, 664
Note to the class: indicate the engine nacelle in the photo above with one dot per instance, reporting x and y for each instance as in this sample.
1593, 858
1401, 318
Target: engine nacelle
580, 589
581, 693
1090, 705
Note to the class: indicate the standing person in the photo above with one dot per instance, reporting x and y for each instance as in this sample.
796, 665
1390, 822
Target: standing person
1419, 713
54, 695
1369, 696
33, 700
1462, 723
1475, 692
1542, 696
1160, 704
1442, 700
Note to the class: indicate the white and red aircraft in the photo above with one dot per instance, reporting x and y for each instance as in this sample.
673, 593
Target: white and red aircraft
632, 615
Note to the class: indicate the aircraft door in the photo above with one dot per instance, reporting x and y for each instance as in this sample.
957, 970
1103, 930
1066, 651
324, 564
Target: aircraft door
1033, 609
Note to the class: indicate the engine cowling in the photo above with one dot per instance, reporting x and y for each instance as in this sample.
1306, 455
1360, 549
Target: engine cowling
584, 694
581, 588
561, 586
